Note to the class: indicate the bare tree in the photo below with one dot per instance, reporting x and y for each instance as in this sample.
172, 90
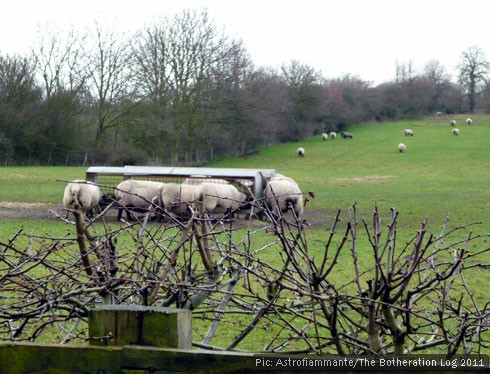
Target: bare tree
303, 83
473, 73
108, 80
19, 102
411, 296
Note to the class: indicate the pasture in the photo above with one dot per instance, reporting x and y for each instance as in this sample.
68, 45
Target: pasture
440, 174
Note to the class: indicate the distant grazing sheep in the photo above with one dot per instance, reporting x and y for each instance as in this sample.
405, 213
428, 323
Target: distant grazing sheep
408, 132
346, 135
469, 121
438, 114
81, 195
456, 132
137, 195
175, 197
453, 122
324, 136
332, 135
300, 151
402, 148
283, 193
218, 198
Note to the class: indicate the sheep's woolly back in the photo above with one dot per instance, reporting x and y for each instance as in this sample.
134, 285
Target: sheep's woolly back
175, 197
453, 122
138, 193
283, 192
402, 147
332, 135
199, 179
469, 121
218, 197
80, 194
408, 132
324, 136
300, 151
456, 132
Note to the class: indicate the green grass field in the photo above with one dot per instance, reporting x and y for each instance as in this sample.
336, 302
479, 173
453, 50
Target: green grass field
439, 174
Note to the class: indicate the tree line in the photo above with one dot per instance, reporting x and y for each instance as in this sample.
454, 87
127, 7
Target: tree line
182, 92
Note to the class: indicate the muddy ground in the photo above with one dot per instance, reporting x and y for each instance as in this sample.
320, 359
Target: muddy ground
29, 210
20, 210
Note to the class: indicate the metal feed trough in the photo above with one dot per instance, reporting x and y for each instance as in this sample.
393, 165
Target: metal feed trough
108, 177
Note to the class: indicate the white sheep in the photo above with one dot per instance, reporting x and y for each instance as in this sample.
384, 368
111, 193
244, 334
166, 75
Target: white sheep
324, 136
453, 122
456, 132
81, 195
402, 148
408, 132
176, 198
218, 198
283, 193
469, 121
332, 135
137, 195
438, 114
300, 151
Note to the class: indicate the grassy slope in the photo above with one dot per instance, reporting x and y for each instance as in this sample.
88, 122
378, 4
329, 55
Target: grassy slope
439, 174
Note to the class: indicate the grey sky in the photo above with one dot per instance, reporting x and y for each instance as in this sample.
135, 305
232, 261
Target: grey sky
336, 37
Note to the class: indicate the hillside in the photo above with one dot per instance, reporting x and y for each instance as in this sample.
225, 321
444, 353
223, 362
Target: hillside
439, 174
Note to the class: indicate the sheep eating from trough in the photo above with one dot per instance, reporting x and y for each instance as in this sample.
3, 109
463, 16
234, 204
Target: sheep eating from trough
175, 198
138, 195
218, 198
283, 193
300, 151
346, 135
408, 132
81, 195
402, 148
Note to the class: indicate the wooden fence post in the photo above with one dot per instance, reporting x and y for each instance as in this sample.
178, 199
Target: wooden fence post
119, 325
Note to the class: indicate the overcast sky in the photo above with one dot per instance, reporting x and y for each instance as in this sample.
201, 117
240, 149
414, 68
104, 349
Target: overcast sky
364, 38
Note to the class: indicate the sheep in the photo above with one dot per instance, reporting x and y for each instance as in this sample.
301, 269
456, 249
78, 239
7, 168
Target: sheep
137, 195
346, 135
283, 193
469, 121
216, 198
300, 151
453, 122
199, 179
324, 136
81, 195
438, 114
175, 197
408, 132
455, 131
332, 135
402, 148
